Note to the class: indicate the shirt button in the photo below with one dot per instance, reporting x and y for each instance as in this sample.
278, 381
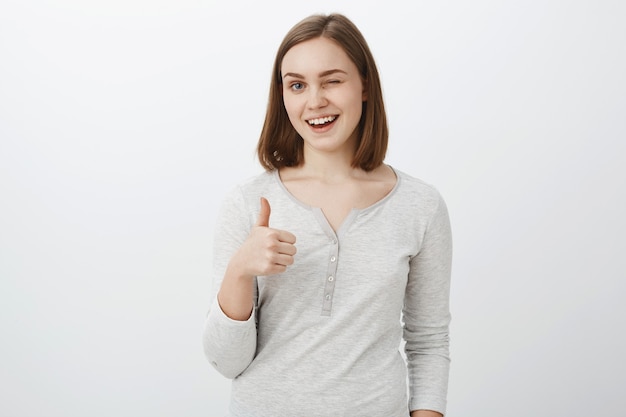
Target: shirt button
334, 241
333, 259
331, 278
327, 297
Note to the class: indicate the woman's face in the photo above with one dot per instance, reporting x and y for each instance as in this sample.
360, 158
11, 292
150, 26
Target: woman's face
323, 95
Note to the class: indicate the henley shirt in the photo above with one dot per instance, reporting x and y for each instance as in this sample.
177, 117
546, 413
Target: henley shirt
324, 337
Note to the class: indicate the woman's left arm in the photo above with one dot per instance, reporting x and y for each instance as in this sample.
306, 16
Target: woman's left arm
426, 314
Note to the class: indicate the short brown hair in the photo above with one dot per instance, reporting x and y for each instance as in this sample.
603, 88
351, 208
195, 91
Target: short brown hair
280, 145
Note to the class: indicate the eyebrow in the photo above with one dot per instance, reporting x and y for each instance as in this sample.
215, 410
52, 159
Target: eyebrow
321, 74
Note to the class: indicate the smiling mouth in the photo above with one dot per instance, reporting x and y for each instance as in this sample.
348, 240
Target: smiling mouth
321, 121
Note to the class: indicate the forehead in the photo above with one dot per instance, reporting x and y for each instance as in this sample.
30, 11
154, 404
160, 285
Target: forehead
315, 56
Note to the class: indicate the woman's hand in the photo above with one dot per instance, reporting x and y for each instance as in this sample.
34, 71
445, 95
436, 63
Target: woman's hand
266, 251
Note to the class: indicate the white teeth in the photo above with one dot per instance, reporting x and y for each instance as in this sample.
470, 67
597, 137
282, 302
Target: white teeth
321, 120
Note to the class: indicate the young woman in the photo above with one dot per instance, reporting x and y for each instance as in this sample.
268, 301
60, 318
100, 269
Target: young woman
325, 261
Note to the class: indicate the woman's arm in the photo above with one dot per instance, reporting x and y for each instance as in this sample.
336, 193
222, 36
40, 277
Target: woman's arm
426, 314
241, 252
230, 344
265, 251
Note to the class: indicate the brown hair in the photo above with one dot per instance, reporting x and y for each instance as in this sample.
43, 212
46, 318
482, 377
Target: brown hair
280, 145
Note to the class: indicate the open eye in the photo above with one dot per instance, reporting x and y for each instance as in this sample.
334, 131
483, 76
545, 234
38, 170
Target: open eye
296, 86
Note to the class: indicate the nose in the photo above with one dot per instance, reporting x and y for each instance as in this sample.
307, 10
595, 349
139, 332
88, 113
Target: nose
317, 98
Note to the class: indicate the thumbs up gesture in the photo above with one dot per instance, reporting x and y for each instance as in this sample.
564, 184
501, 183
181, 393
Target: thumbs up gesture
266, 251
264, 215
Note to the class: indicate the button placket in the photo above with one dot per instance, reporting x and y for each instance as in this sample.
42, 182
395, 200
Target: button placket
331, 271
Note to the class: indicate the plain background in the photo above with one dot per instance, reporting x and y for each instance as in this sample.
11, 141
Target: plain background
124, 123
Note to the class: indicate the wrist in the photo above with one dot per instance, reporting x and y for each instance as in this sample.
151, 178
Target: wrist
425, 413
236, 272
236, 293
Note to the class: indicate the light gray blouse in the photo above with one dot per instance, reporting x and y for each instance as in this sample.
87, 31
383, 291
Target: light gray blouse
324, 338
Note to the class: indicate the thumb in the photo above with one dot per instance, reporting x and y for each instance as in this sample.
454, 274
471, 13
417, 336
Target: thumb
264, 214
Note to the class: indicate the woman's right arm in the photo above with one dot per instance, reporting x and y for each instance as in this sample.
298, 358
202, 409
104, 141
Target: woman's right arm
241, 253
266, 251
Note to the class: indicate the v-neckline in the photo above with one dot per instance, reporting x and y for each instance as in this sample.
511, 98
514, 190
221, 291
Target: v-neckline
350, 217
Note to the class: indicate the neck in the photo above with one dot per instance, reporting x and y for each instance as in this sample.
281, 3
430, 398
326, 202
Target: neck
328, 166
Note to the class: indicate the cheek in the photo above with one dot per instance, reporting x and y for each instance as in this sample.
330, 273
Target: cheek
292, 114
353, 100
354, 106
292, 106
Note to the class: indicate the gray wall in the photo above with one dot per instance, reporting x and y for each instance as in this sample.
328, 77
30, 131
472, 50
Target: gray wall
122, 125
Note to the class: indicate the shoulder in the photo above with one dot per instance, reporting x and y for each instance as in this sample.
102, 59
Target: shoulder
241, 193
262, 180
247, 193
418, 192
252, 186
425, 204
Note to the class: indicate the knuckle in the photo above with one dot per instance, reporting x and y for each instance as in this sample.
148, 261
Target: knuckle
267, 268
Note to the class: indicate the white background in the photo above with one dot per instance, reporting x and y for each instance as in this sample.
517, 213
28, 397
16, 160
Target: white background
123, 124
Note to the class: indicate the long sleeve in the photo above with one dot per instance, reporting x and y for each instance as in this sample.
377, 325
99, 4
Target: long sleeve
229, 345
426, 314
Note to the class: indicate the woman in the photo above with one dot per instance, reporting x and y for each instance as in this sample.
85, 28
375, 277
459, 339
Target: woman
315, 331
